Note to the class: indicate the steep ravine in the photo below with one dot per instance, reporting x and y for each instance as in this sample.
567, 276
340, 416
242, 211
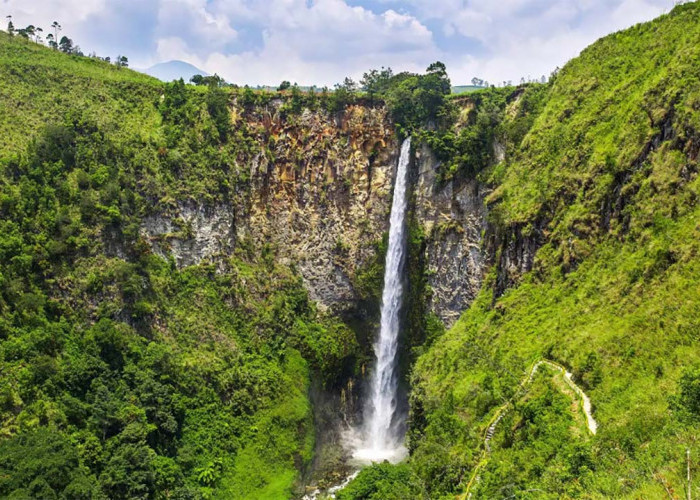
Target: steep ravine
322, 202
191, 279
318, 199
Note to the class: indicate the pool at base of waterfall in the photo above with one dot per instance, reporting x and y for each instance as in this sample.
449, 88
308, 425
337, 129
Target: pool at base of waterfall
367, 456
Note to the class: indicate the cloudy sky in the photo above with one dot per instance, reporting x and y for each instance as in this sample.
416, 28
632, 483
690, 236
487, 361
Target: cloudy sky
322, 41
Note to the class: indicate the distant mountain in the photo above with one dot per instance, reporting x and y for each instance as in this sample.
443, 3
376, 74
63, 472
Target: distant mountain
173, 70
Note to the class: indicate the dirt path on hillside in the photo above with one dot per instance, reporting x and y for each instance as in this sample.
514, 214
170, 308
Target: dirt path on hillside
584, 400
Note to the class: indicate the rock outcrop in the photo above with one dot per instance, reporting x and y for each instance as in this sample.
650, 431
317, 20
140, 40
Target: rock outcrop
192, 234
319, 195
453, 215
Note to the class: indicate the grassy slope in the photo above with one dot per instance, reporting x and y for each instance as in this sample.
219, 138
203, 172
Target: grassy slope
151, 381
39, 86
618, 304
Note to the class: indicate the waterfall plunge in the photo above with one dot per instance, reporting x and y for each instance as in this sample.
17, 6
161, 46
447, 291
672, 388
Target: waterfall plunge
382, 438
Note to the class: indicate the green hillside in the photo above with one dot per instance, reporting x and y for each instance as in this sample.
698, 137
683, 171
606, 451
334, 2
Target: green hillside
605, 186
38, 86
121, 376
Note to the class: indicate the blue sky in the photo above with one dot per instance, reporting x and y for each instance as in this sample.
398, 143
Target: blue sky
322, 41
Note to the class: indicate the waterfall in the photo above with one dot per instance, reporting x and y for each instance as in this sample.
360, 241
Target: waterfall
382, 437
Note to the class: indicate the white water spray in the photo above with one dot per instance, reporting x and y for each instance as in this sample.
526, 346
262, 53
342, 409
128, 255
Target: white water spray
382, 439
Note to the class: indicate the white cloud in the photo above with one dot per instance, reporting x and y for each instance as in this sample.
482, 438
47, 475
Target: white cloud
69, 13
173, 47
521, 38
38, 12
321, 41
192, 20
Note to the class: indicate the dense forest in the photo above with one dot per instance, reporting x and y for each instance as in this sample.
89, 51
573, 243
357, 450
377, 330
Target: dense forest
126, 375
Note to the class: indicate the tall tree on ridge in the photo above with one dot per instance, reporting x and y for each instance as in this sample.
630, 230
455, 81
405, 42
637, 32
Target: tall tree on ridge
27, 32
122, 61
66, 45
56, 29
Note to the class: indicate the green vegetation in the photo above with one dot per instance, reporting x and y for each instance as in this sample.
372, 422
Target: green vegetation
466, 142
460, 131
383, 482
122, 376
413, 100
600, 174
38, 86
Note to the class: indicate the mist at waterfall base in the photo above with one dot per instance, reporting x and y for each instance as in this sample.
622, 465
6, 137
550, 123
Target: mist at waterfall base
382, 434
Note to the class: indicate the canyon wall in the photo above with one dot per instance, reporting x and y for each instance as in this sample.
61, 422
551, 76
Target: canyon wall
319, 194
453, 216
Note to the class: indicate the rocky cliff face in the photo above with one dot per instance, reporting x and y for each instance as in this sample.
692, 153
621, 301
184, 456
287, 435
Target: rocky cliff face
319, 195
324, 199
453, 216
192, 234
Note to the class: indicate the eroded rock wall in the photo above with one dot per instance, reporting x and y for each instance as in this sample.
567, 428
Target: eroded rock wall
192, 233
453, 216
319, 193
325, 198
